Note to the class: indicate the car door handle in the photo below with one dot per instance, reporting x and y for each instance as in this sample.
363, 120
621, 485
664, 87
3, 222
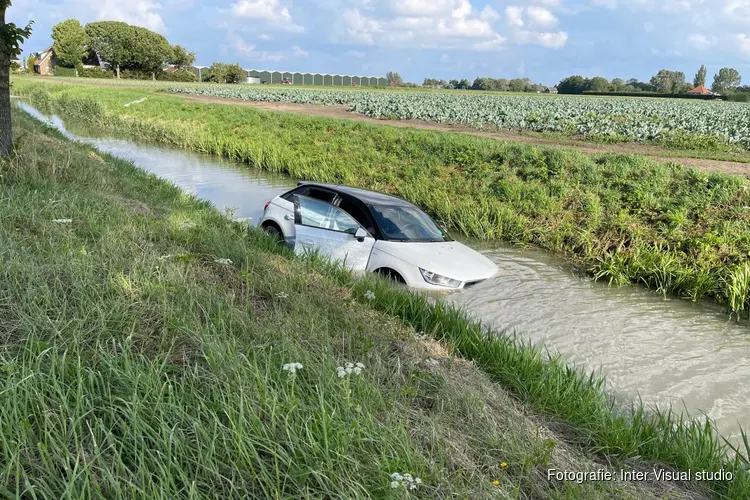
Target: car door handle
288, 217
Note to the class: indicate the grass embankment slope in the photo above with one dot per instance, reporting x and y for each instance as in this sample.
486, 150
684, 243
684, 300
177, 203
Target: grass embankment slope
136, 364
627, 219
144, 340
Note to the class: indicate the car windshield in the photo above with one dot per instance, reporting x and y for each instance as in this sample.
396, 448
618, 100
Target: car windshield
403, 223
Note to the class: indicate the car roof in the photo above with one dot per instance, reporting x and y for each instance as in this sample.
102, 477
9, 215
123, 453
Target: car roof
367, 197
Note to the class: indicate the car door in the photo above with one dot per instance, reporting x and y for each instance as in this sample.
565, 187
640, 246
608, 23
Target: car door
325, 228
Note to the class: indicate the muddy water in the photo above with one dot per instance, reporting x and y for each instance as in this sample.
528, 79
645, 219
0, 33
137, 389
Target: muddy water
667, 352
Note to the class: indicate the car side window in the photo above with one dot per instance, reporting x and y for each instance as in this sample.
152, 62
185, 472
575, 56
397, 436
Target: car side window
320, 194
290, 195
311, 192
315, 213
359, 214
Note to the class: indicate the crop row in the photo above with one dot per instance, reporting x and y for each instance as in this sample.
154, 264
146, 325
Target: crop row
641, 120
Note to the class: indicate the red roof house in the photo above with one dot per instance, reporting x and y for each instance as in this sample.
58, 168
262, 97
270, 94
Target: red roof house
700, 89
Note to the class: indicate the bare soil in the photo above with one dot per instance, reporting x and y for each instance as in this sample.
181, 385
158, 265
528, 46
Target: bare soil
342, 112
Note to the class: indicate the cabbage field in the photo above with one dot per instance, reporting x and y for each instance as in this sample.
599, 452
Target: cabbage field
686, 123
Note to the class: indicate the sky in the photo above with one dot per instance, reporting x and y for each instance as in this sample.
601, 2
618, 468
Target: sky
545, 40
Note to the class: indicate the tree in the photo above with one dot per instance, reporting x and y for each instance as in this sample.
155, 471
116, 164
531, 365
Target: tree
394, 79
516, 85
181, 57
70, 42
128, 47
725, 80
483, 84
667, 81
11, 39
30, 63
700, 77
572, 85
597, 84
464, 84
227, 73
502, 84
618, 85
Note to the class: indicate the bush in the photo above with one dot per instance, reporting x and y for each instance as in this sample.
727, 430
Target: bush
61, 71
135, 74
95, 73
178, 76
739, 97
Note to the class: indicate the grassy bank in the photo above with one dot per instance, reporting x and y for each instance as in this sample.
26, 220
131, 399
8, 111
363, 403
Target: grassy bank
677, 230
137, 361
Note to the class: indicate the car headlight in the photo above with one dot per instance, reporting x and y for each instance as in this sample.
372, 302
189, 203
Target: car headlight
436, 279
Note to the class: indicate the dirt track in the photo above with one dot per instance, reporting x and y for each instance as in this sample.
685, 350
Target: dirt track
342, 112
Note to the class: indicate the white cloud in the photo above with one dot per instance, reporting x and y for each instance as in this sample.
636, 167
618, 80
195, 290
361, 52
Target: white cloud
743, 43
299, 52
549, 3
539, 16
513, 15
489, 14
445, 24
138, 12
444, 57
356, 53
264, 37
549, 40
269, 11
494, 45
249, 53
609, 4
701, 42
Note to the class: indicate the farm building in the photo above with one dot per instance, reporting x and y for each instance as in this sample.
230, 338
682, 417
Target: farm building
322, 79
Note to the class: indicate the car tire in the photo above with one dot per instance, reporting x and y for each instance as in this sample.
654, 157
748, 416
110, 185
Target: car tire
274, 232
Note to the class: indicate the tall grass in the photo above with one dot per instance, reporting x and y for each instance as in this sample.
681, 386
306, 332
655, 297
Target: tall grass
678, 230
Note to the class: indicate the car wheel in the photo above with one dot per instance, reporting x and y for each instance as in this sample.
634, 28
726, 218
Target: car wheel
274, 232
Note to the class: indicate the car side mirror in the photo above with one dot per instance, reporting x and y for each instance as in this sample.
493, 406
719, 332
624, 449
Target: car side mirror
360, 234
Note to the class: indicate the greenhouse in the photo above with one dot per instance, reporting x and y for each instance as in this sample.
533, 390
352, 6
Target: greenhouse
256, 76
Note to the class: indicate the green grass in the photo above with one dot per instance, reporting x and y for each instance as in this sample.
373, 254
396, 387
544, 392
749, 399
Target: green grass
135, 365
677, 230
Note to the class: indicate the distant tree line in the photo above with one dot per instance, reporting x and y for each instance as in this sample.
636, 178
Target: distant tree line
666, 81
486, 83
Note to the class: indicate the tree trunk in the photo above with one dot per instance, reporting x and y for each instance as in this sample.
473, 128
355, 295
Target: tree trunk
6, 128
118, 71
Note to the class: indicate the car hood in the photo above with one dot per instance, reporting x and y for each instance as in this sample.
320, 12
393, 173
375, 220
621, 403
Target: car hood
452, 259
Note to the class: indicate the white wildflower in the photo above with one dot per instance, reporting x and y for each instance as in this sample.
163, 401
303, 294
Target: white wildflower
282, 295
224, 262
292, 367
188, 225
348, 369
62, 221
243, 219
369, 295
407, 480
165, 257
420, 336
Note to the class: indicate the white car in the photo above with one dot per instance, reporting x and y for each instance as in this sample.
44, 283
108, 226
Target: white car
369, 231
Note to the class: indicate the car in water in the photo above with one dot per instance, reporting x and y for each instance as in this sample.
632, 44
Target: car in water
368, 231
